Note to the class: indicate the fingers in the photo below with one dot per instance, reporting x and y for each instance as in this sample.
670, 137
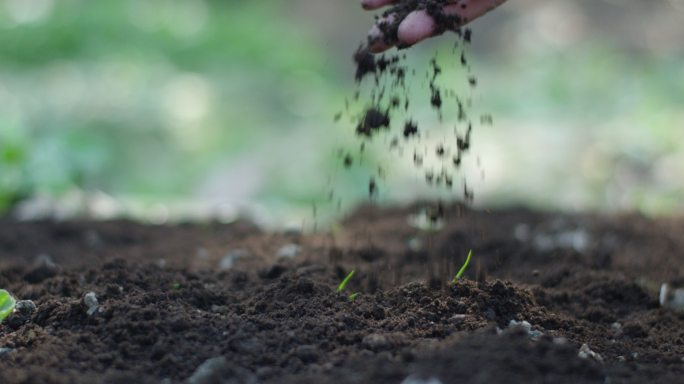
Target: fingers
376, 39
419, 25
375, 4
416, 27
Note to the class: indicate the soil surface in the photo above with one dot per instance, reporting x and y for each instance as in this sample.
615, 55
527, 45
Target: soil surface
231, 304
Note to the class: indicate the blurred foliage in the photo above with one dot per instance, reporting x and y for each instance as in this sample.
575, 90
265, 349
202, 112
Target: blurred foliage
145, 98
160, 101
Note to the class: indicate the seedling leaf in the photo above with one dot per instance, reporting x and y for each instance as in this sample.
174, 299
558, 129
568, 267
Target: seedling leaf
353, 296
7, 303
463, 268
343, 284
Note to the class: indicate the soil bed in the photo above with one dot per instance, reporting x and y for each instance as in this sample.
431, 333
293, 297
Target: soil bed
232, 304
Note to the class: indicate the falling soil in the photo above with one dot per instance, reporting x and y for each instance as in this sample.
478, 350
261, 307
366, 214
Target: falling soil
372, 121
386, 114
231, 304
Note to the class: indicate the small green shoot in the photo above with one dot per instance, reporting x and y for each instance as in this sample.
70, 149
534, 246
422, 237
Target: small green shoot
176, 286
353, 296
463, 268
7, 303
343, 284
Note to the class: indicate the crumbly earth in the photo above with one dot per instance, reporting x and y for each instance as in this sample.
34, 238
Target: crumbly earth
232, 304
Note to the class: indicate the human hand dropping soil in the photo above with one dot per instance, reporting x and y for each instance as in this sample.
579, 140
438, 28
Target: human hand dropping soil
409, 22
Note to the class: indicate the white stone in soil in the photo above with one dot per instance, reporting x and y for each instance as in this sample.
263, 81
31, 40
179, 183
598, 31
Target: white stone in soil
90, 301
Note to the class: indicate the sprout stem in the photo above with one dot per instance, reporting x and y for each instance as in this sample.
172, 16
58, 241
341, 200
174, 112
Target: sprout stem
463, 268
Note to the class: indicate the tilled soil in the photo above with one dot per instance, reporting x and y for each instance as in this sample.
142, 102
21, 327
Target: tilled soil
210, 303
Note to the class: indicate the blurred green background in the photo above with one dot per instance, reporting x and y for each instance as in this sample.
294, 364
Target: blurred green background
189, 109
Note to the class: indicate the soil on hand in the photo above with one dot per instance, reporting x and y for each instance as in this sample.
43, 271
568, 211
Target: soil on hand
434, 8
231, 304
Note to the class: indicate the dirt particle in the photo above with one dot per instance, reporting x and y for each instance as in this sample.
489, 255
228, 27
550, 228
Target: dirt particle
410, 129
372, 188
348, 161
372, 121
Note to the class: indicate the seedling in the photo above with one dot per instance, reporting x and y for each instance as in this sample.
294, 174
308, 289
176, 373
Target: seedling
7, 303
343, 284
463, 268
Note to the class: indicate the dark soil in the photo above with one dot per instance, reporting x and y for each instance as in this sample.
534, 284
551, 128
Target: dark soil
231, 304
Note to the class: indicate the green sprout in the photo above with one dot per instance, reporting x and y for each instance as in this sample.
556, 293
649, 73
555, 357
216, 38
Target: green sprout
7, 303
343, 284
463, 268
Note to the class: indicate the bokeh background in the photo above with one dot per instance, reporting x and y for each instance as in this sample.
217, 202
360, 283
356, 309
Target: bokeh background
194, 109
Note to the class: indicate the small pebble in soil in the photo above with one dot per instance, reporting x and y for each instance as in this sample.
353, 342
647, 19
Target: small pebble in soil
671, 297
415, 379
23, 310
220, 370
288, 251
5, 351
534, 334
375, 341
91, 303
228, 261
415, 244
425, 221
208, 371
585, 353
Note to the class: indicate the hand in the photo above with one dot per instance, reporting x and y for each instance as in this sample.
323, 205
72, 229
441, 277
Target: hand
418, 25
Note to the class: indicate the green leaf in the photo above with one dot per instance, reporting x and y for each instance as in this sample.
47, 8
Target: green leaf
7, 303
343, 284
353, 296
463, 268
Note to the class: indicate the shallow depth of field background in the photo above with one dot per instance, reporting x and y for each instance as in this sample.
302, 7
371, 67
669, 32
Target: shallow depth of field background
162, 109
